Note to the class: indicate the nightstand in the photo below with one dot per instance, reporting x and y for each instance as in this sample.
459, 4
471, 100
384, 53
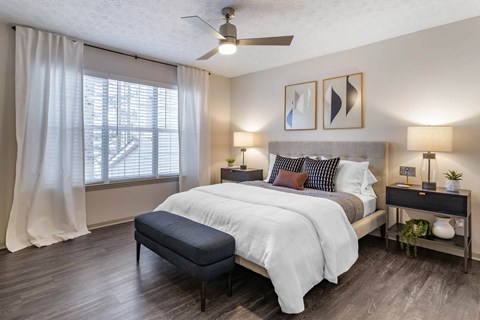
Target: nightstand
239, 175
438, 202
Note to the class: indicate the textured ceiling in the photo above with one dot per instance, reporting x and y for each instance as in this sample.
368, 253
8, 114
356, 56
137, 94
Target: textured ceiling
153, 27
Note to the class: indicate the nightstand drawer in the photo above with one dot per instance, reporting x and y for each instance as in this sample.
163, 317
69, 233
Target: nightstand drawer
440, 202
235, 175
241, 175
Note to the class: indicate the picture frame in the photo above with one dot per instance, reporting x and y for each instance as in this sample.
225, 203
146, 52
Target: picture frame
343, 102
300, 110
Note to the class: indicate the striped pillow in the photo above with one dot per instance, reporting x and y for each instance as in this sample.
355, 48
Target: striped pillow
289, 164
321, 174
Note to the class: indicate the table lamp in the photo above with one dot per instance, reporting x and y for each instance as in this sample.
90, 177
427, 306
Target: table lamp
429, 139
243, 140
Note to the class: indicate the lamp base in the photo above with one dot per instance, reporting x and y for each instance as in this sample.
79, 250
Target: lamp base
429, 185
243, 167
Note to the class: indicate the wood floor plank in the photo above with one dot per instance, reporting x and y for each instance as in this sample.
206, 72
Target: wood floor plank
96, 277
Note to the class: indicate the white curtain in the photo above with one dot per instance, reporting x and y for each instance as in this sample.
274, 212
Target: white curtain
194, 127
49, 197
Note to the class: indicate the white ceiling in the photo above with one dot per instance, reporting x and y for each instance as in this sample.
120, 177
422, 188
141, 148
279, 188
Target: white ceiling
153, 27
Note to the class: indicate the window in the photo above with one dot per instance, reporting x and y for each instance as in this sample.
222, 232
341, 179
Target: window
130, 130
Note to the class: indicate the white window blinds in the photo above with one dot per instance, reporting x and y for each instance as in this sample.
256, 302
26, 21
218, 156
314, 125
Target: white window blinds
130, 129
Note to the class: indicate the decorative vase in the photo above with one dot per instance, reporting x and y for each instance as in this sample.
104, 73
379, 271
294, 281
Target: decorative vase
452, 185
230, 165
442, 228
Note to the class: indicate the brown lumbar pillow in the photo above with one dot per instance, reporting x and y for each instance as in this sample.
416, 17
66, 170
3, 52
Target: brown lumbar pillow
294, 180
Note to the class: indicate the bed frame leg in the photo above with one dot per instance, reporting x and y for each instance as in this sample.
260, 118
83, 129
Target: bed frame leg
138, 252
203, 294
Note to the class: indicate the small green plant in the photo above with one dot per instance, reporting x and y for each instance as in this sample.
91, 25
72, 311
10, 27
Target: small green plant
230, 160
453, 175
414, 229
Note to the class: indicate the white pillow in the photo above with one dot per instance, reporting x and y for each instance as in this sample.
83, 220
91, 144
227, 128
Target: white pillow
349, 176
368, 181
271, 162
354, 177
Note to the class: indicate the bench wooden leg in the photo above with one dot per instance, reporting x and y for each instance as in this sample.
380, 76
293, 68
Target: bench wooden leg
230, 284
203, 294
138, 252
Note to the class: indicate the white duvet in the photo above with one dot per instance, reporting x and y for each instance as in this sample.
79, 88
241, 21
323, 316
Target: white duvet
298, 239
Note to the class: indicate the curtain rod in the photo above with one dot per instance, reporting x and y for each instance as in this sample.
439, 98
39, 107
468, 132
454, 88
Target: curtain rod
122, 53
130, 55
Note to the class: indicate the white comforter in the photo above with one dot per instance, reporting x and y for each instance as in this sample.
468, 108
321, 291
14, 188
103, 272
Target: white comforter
298, 239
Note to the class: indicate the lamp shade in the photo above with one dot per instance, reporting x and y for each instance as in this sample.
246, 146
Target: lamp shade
429, 139
243, 139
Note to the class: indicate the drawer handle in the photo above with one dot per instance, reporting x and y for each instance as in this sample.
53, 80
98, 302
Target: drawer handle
422, 193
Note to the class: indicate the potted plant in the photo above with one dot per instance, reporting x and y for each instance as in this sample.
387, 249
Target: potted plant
230, 161
414, 229
453, 180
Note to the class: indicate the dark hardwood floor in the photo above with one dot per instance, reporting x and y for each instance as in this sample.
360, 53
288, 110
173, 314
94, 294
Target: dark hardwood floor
96, 277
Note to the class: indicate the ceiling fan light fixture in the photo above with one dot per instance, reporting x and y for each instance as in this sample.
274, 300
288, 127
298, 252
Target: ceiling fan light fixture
227, 48
227, 35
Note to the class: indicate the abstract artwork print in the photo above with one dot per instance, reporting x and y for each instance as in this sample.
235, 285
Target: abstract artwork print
301, 106
343, 102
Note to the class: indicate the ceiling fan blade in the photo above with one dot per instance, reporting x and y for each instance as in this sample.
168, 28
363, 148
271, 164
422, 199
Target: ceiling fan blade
201, 24
209, 54
270, 41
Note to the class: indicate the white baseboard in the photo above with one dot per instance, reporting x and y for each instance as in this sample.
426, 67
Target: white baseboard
110, 223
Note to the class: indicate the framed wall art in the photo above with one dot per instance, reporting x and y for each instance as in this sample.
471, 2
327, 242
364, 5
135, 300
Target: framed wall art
301, 106
343, 102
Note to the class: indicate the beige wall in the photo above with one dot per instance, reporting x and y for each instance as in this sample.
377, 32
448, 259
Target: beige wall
219, 103
109, 206
111, 63
427, 78
8, 147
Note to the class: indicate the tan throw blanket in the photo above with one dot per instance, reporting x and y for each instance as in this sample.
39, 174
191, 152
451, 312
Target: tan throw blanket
351, 204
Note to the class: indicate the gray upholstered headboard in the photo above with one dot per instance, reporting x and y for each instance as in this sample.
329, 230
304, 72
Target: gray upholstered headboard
374, 152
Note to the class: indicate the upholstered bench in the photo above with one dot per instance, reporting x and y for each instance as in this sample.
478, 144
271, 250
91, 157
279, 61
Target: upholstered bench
199, 250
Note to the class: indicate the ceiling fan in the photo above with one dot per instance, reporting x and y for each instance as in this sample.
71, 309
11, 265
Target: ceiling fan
227, 37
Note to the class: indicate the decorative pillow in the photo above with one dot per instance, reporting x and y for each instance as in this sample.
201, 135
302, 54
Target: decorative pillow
293, 180
289, 164
321, 174
271, 162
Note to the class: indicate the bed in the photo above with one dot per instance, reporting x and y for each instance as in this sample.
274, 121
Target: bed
281, 235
